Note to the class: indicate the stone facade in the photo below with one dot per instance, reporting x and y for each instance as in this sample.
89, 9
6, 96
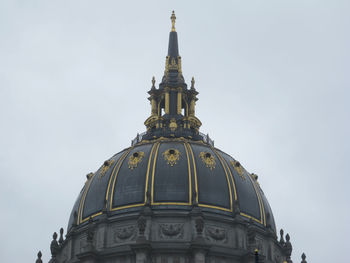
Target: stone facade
170, 237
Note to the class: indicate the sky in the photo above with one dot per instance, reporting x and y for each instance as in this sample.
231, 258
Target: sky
273, 82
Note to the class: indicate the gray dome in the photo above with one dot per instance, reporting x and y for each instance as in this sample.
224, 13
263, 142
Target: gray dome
173, 174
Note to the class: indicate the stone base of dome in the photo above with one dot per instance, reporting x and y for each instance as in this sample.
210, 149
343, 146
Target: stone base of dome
161, 237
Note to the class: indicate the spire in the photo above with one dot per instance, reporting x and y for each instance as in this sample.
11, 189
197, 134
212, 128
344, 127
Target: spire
173, 72
173, 104
173, 50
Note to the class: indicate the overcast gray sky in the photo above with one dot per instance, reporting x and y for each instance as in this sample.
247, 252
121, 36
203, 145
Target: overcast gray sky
273, 78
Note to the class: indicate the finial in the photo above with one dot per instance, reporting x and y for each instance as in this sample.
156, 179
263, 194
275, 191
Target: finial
39, 258
282, 239
153, 82
60, 241
173, 18
192, 83
288, 247
287, 237
303, 257
54, 247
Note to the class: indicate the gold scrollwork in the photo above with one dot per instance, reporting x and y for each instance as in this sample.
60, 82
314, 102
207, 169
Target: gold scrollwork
104, 168
238, 168
171, 156
135, 159
208, 159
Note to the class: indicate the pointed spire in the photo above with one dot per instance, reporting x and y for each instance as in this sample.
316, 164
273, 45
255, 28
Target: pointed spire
173, 72
172, 104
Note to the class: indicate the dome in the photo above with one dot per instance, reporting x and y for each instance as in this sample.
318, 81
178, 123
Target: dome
171, 196
176, 174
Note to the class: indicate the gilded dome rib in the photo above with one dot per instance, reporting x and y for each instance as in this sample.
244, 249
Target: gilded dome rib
115, 178
147, 174
227, 178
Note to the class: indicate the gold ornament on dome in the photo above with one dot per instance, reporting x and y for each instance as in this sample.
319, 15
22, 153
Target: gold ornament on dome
104, 168
135, 159
238, 168
255, 178
208, 159
173, 125
89, 176
171, 156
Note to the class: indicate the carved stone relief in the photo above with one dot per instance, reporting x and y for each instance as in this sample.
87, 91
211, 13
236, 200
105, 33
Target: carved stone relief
124, 233
216, 234
171, 231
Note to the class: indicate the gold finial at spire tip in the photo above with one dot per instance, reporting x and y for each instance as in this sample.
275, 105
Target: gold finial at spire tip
173, 18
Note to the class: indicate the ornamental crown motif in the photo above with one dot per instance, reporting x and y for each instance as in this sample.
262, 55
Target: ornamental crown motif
238, 168
105, 167
208, 159
172, 156
135, 159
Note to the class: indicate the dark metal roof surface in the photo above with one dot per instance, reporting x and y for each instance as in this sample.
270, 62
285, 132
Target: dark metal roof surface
174, 173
